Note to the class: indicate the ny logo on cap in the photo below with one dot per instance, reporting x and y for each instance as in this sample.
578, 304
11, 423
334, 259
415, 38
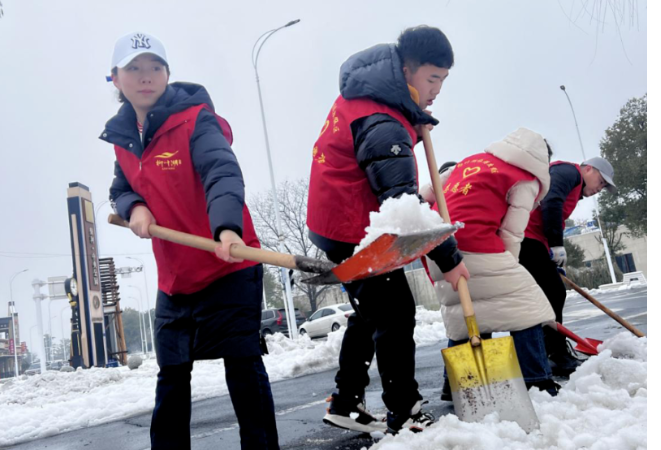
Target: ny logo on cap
140, 41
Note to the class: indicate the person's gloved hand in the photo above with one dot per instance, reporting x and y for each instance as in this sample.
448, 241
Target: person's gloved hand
558, 255
562, 271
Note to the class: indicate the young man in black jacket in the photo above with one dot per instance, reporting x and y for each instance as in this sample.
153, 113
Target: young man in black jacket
364, 156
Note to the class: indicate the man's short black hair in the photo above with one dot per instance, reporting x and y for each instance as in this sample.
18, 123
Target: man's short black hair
422, 45
548, 147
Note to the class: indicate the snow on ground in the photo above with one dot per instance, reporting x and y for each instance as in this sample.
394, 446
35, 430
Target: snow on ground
593, 292
49, 404
602, 407
400, 216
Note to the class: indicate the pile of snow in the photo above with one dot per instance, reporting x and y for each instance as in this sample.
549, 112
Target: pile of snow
603, 406
401, 216
429, 328
45, 405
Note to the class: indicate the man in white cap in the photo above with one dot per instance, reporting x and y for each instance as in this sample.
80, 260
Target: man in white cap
543, 251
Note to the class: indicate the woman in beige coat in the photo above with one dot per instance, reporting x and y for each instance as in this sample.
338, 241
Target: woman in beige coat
493, 193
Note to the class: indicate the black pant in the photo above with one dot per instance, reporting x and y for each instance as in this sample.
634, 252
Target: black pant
535, 258
249, 390
219, 321
383, 323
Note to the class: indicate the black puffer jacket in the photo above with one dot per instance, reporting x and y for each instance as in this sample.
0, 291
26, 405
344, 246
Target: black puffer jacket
376, 73
210, 150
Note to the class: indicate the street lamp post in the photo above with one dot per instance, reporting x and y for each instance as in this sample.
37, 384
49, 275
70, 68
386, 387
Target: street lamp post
291, 317
143, 319
596, 202
38, 297
13, 320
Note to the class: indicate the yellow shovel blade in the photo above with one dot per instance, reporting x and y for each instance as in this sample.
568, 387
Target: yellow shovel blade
488, 379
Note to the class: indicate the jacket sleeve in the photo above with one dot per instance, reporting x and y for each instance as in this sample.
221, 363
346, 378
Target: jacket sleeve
446, 256
122, 197
221, 175
564, 178
427, 191
520, 202
385, 152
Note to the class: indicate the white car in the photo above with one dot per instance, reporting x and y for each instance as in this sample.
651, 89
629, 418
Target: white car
325, 320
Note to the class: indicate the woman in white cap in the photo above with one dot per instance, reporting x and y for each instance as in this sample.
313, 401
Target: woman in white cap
175, 167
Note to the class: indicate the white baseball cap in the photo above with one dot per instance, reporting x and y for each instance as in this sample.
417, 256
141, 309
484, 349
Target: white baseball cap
135, 44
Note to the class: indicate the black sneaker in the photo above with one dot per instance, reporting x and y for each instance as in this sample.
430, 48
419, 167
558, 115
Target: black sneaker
351, 417
549, 386
564, 362
416, 421
446, 393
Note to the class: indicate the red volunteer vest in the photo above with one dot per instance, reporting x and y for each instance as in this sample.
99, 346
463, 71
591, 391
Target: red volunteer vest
340, 198
166, 178
476, 194
535, 229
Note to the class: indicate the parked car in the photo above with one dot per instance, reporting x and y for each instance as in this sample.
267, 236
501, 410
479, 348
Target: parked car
327, 319
34, 369
275, 321
56, 365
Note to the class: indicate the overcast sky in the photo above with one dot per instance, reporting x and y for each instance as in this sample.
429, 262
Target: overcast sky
511, 57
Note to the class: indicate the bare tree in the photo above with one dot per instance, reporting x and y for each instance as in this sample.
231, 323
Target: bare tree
293, 201
603, 14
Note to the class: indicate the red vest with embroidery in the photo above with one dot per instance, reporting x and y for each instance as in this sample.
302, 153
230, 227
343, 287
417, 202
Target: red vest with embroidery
535, 229
476, 194
166, 178
340, 198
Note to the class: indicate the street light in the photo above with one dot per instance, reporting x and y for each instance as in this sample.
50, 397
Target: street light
596, 202
144, 274
98, 207
143, 318
291, 317
13, 320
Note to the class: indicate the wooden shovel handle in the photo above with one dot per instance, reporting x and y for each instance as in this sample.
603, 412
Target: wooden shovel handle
462, 286
237, 251
598, 304
435, 177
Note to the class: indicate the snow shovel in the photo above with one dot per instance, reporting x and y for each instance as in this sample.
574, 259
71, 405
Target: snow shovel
387, 253
587, 346
485, 375
598, 304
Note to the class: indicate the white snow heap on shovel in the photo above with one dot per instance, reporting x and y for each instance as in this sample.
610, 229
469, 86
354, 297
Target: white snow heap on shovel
403, 215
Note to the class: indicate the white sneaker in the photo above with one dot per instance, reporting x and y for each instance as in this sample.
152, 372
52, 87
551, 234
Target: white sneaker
357, 418
416, 422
